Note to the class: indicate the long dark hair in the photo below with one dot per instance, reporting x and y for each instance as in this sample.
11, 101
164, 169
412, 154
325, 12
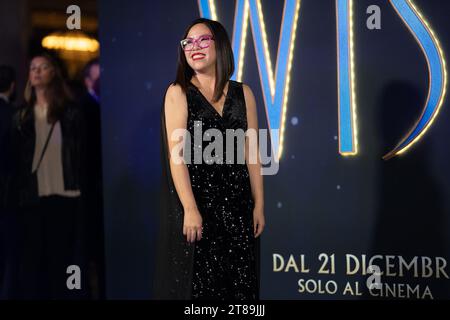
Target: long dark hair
58, 93
224, 54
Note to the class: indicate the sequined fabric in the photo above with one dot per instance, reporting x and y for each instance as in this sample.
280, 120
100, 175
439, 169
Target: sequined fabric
224, 259
223, 264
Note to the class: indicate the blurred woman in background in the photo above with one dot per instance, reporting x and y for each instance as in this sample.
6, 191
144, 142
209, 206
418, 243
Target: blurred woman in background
48, 142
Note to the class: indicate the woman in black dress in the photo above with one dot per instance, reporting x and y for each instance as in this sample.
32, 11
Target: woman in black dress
212, 210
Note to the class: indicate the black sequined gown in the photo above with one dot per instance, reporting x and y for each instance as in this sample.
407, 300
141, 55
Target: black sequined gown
223, 264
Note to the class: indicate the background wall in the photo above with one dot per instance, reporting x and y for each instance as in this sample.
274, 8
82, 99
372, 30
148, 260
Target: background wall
319, 202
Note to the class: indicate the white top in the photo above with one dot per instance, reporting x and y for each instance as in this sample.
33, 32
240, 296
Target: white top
50, 174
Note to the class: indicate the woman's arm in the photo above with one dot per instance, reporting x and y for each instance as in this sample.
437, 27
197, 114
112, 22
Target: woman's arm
256, 179
176, 113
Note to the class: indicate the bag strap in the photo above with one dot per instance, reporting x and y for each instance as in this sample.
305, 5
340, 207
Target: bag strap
45, 147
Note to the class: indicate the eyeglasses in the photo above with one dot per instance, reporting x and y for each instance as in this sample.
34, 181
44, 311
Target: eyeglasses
202, 42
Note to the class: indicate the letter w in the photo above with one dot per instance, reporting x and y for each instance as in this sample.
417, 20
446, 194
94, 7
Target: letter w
275, 90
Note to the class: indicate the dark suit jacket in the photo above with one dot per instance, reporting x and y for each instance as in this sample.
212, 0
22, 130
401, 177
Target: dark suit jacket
6, 113
73, 151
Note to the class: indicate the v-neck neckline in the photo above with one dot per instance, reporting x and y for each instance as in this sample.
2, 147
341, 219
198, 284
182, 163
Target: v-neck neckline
209, 103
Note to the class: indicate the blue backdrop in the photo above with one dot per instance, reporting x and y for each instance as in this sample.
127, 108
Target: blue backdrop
319, 202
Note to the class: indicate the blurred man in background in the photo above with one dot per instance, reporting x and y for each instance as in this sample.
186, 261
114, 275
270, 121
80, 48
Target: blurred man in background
7, 93
7, 90
90, 103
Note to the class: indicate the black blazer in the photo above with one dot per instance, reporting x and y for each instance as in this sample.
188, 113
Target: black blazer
73, 149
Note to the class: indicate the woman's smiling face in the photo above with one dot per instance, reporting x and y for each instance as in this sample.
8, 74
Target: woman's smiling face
201, 59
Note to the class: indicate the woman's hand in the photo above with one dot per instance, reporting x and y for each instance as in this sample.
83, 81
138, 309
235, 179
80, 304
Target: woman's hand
258, 220
192, 227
